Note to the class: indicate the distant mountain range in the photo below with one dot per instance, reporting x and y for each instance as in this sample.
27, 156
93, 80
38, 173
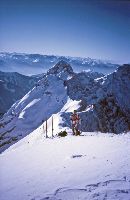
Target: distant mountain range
30, 64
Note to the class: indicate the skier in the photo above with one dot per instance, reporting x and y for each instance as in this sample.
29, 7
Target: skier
75, 120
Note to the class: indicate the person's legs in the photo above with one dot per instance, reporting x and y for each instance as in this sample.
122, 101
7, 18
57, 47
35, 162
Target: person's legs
73, 129
77, 129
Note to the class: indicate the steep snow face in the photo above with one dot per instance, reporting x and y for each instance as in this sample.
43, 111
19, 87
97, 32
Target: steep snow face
47, 98
92, 167
35, 107
35, 63
13, 86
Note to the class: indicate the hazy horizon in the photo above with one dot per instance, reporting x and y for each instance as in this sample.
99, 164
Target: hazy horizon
82, 28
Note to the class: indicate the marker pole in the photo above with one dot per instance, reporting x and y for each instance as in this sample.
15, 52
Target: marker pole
52, 127
46, 128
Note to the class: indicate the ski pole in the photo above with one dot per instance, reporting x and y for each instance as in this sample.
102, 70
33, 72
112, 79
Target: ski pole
46, 128
43, 126
52, 127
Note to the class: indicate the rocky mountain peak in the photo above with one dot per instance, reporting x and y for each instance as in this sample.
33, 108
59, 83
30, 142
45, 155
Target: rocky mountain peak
61, 67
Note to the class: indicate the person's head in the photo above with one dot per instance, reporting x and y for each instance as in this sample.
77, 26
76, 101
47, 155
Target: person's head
75, 111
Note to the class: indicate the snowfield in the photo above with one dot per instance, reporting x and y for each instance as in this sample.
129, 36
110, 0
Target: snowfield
93, 166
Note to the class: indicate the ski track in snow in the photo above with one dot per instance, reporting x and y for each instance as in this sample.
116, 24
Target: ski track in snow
97, 191
110, 189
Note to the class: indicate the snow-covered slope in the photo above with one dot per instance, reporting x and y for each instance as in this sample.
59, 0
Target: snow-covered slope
91, 167
45, 99
36, 63
13, 86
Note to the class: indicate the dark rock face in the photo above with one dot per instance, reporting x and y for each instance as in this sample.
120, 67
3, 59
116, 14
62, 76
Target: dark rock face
108, 98
113, 110
83, 85
112, 118
118, 84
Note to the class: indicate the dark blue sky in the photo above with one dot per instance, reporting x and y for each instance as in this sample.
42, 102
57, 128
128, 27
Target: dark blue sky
86, 28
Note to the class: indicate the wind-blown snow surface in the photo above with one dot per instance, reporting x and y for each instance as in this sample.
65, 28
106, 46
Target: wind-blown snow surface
91, 167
